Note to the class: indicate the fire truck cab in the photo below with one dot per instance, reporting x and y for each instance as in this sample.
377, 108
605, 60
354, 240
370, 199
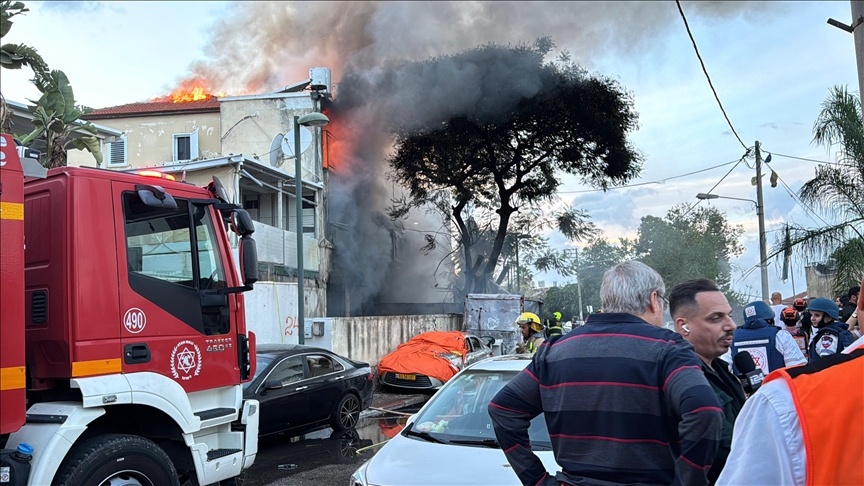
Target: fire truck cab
122, 328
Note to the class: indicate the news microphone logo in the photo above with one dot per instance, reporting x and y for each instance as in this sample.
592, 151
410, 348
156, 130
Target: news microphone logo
751, 376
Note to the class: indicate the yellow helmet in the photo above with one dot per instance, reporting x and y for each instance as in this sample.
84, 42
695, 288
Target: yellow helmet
531, 319
557, 316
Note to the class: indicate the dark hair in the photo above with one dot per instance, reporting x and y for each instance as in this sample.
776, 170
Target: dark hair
854, 291
684, 294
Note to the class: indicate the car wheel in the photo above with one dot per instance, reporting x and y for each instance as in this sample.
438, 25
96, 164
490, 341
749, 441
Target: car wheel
347, 413
114, 460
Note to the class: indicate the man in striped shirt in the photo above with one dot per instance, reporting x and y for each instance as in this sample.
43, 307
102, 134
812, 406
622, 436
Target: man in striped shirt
625, 401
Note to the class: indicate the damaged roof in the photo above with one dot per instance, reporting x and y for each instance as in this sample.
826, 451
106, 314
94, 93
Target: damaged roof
151, 108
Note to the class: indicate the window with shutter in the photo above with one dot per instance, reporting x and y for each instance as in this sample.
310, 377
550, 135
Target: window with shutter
117, 152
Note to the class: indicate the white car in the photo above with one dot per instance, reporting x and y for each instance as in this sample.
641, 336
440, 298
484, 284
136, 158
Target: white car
450, 441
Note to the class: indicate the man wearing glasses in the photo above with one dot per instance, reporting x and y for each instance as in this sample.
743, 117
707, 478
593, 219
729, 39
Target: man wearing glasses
702, 316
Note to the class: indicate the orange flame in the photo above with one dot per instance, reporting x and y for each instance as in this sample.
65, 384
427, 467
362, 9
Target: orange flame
188, 91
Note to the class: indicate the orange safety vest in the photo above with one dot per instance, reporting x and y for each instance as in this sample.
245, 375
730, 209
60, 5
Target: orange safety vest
828, 398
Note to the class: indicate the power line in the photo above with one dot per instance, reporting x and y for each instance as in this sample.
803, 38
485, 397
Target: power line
658, 181
807, 209
704, 70
811, 160
742, 159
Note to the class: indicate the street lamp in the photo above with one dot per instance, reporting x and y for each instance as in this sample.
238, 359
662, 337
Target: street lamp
313, 119
763, 252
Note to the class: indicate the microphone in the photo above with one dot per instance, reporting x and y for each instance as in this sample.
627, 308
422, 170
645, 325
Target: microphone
751, 376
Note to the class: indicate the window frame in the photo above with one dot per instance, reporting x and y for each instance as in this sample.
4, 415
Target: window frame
193, 146
279, 363
153, 288
110, 160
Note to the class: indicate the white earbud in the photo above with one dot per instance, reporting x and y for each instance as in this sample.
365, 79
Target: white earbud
686, 329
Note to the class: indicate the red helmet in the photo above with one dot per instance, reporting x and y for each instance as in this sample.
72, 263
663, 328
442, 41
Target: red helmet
789, 314
799, 305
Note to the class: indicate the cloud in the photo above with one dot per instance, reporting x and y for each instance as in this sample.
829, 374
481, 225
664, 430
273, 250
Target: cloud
616, 207
770, 125
71, 6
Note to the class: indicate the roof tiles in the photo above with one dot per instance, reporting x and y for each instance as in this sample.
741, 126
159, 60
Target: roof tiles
149, 108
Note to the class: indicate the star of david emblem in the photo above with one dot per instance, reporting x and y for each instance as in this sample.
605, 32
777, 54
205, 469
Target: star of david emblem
186, 360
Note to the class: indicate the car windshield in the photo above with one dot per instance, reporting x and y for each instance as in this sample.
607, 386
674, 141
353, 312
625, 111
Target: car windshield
261, 362
458, 412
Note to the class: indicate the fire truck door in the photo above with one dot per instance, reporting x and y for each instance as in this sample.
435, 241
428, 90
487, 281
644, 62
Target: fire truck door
175, 321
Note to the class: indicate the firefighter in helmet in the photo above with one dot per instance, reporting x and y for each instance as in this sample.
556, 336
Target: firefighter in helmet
532, 333
555, 328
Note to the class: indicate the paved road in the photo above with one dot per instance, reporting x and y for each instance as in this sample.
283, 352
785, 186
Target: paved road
325, 457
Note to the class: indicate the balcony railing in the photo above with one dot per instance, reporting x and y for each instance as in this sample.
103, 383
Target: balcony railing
280, 247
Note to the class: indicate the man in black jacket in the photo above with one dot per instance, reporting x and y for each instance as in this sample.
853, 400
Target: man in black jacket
849, 308
702, 316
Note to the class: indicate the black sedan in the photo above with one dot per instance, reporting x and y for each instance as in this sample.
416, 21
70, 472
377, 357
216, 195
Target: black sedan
303, 387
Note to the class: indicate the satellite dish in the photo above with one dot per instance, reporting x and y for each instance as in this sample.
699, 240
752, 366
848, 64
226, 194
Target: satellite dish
275, 146
288, 141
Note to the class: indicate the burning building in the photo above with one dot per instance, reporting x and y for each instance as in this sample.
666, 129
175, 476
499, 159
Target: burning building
195, 135
356, 260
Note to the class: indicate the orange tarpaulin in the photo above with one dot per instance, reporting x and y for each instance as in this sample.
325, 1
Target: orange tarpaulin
420, 355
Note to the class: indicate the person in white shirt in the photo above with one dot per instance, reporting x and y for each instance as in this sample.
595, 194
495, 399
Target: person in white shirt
777, 306
822, 400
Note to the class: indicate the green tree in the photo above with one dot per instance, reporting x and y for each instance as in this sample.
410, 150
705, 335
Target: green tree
600, 255
487, 168
835, 192
15, 56
690, 243
55, 114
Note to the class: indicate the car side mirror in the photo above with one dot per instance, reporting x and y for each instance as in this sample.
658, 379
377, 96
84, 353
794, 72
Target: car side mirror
273, 385
488, 341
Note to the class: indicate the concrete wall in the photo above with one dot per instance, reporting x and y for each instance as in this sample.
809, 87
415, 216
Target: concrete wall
371, 338
269, 116
149, 139
271, 310
83, 158
819, 284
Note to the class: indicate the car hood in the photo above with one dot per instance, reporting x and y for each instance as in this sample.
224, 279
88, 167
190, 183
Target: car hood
408, 462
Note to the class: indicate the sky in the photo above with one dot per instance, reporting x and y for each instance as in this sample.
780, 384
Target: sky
772, 64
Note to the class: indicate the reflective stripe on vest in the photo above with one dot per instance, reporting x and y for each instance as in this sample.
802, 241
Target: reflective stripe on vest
830, 423
761, 344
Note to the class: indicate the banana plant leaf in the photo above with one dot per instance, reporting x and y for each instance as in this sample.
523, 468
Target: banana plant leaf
91, 144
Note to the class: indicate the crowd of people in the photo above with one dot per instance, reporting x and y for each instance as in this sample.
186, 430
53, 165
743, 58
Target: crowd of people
774, 401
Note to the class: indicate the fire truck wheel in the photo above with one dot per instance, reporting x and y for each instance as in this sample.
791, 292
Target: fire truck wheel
347, 413
117, 460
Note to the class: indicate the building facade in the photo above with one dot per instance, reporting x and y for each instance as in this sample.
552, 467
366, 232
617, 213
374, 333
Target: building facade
239, 140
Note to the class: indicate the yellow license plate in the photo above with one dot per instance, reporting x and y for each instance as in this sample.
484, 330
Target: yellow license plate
403, 376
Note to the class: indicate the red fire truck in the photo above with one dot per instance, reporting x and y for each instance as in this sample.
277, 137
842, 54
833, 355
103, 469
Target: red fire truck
123, 344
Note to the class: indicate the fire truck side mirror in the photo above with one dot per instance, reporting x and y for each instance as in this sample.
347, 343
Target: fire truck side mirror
155, 196
248, 261
242, 222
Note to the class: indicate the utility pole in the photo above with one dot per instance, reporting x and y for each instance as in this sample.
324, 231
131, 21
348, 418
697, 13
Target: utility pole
760, 212
518, 272
578, 282
858, 33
